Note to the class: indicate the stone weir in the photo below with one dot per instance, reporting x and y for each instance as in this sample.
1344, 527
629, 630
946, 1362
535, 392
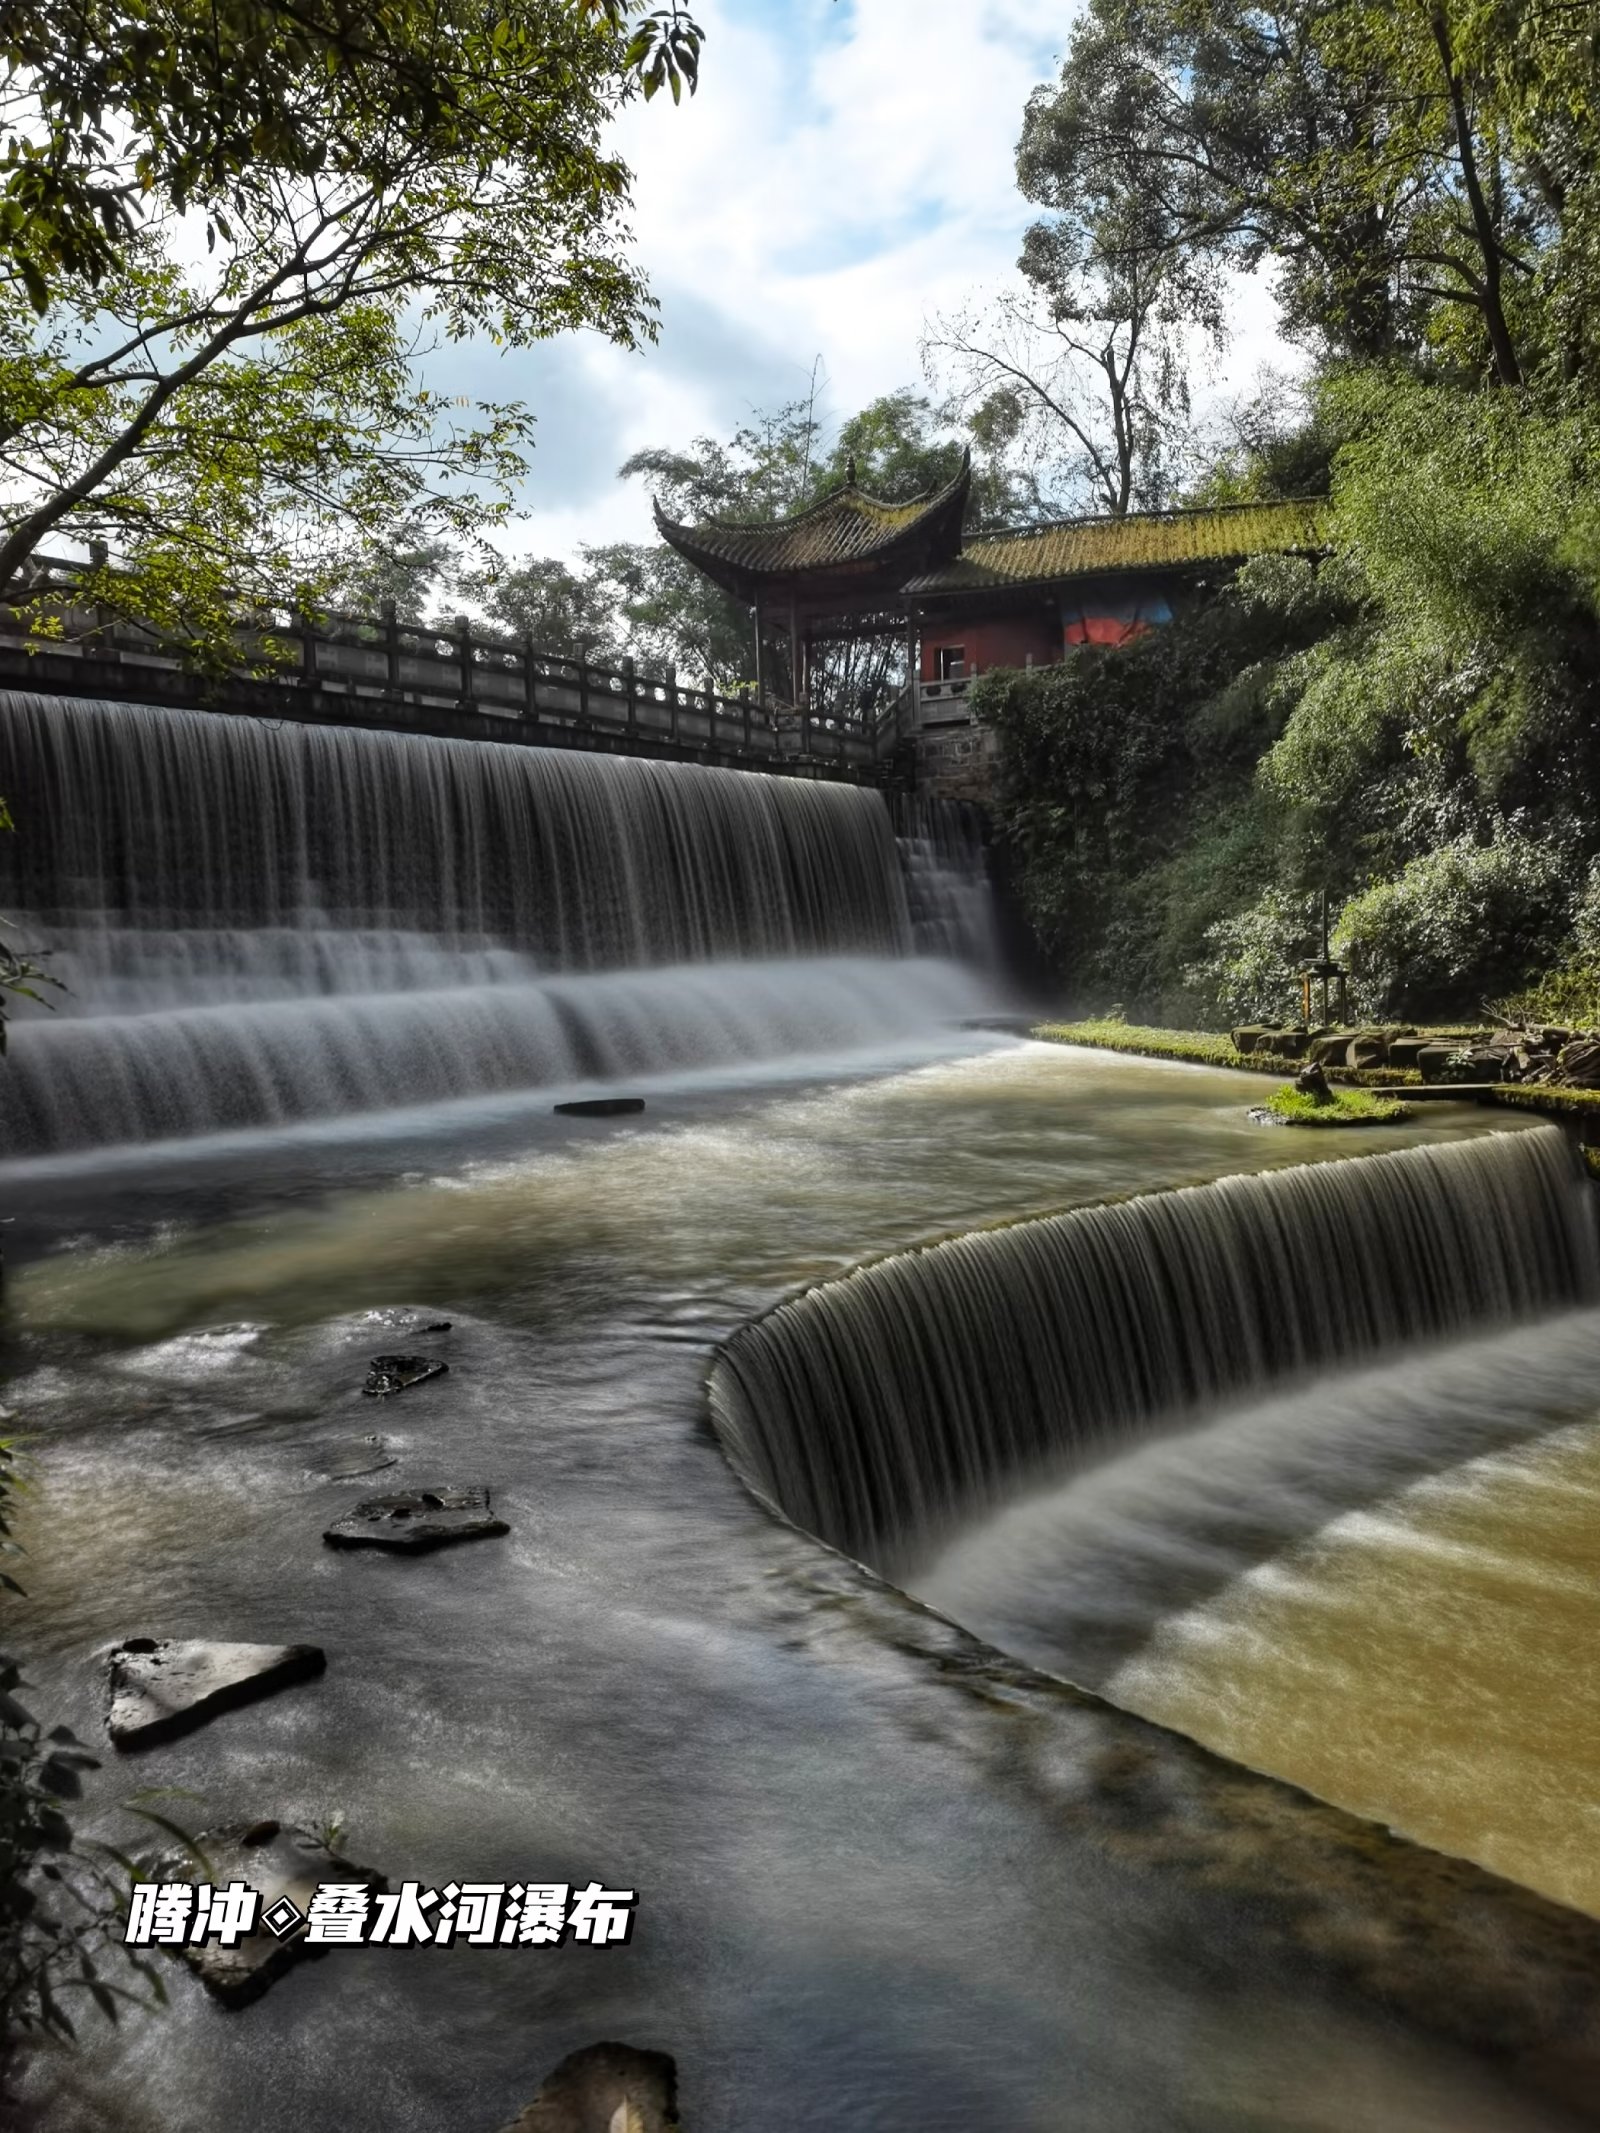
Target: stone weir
874, 1409
877, 1410
260, 924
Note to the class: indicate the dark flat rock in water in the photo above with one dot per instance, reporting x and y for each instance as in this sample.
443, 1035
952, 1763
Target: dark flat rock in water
605, 2088
286, 1866
1259, 1115
429, 1518
602, 1107
394, 1373
159, 1688
357, 1455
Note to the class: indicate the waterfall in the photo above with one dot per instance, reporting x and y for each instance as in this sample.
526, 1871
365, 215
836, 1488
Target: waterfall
877, 1409
259, 922
947, 879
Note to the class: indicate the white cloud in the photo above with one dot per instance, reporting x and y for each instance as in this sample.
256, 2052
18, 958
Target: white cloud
844, 170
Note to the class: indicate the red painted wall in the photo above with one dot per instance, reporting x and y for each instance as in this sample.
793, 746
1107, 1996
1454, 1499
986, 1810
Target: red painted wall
1002, 641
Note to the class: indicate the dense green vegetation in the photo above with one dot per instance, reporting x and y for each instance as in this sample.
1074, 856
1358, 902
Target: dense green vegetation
1410, 724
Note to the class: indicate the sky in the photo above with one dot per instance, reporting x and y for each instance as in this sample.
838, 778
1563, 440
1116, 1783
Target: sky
845, 170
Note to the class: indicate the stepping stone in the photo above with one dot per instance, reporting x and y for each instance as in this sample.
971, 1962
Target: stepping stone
432, 1518
357, 1455
601, 1107
393, 1373
159, 1688
605, 2088
286, 1866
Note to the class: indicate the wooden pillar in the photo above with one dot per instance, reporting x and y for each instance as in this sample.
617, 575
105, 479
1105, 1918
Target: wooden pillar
761, 665
468, 678
794, 653
914, 662
391, 646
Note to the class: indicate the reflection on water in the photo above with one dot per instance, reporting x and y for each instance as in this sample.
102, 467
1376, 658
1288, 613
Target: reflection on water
717, 1203
845, 1922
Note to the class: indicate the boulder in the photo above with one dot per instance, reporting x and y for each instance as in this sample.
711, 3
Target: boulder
1329, 1048
605, 2088
430, 1518
393, 1373
1368, 1048
286, 1866
1406, 1050
1246, 1040
1460, 1062
1580, 1064
159, 1688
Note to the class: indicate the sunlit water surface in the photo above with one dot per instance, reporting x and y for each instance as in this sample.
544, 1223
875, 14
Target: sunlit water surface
841, 1923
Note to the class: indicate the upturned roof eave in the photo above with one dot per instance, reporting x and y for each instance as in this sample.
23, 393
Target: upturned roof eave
940, 516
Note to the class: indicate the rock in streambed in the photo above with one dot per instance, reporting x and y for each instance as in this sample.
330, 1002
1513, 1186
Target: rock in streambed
411, 1524
160, 1688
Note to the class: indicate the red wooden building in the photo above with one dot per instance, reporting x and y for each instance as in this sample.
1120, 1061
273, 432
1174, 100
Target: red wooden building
853, 570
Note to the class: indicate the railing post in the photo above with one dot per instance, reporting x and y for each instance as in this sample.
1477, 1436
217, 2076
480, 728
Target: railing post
629, 693
672, 701
468, 690
308, 646
391, 645
747, 725
530, 693
583, 688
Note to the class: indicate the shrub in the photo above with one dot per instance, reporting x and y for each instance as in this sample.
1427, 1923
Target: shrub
1457, 924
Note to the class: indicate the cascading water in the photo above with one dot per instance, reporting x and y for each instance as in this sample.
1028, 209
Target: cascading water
876, 1410
947, 879
259, 923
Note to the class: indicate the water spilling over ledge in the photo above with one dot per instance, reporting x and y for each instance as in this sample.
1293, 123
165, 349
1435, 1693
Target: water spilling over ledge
876, 1410
258, 925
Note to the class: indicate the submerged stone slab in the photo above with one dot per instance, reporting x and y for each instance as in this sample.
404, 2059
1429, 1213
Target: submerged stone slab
356, 1455
160, 1688
601, 1107
394, 1373
285, 1865
428, 1518
605, 2088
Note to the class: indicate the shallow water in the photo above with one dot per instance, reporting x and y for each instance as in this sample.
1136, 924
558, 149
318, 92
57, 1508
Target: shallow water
849, 1916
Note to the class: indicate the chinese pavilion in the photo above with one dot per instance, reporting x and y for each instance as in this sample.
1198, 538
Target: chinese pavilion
952, 604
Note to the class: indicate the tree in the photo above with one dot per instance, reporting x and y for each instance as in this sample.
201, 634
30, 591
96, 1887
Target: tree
107, 105
1406, 167
562, 613
241, 426
1083, 369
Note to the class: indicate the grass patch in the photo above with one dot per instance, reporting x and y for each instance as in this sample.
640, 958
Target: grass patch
1350, 1107
1198, 1047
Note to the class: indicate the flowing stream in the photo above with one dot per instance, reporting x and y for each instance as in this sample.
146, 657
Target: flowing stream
870, 1897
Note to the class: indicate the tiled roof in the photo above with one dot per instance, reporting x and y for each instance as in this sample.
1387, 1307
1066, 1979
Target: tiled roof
1154, 540
846, 529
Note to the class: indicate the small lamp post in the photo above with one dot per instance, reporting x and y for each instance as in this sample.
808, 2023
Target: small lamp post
1323, 972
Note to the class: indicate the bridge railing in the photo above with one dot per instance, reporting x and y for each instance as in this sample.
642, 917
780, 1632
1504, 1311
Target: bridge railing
467, 669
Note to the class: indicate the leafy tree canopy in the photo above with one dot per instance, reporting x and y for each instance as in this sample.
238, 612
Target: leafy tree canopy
225, 393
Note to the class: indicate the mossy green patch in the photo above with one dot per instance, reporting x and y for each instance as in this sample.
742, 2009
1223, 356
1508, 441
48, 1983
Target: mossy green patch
1347, 1107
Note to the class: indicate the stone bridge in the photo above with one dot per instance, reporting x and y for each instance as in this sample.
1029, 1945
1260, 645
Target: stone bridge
456, 682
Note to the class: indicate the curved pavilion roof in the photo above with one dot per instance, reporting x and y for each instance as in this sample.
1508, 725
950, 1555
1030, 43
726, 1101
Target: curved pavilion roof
1143, 541
849, 542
